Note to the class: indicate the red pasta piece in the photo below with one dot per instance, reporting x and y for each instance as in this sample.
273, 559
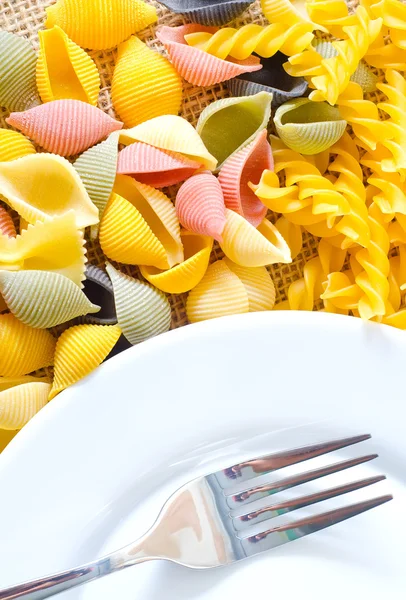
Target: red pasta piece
64, 127
195, 65
200, 205
243, 167
153, 166
6, 223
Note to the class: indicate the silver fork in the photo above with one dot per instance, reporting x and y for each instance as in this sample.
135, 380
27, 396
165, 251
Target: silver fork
198, 526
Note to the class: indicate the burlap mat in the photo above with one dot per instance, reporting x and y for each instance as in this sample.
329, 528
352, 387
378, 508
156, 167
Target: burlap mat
26, 17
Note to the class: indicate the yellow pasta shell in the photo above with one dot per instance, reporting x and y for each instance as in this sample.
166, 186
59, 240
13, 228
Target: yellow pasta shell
42, 186
100, 24
79, 350
24, 349
56, 245
173, 133
64, 70
14, 144
145, 84
9, 382
140, 226
186, 275
142, 310
43, 299
5, 438
309, 127
19, 404
219, 293
258, 285
250, 247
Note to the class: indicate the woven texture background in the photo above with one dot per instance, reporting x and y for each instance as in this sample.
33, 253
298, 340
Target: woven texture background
26, 17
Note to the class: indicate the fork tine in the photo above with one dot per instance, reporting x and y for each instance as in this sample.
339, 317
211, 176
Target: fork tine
282, 534
265, 464
262, 491
274, 510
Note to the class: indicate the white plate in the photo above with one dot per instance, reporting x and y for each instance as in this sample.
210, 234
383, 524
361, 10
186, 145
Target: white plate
90, 472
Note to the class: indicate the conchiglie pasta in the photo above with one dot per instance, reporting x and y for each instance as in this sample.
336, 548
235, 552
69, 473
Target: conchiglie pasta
43, 299
6, 223
100, 24
251, 247
19, 404
142, 310
22, 185
14, 145
145, 84
208, 12
187, 274
28, 349
64, 70
258, 285
99, 290
139, 226
219, 293
79, 350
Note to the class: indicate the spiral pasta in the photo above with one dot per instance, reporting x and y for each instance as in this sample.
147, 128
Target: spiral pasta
336, 71
393, 14
332, 14
395, 106
388, 189
265, 41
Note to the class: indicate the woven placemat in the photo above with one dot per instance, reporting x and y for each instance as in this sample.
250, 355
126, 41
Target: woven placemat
26, 17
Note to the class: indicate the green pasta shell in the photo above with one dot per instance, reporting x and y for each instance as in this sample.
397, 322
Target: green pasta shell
142, 310
228, 125
43, 299
18, 88
363, 75
309, 127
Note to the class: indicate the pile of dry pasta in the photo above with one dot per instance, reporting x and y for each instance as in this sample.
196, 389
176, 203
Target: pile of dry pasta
334, 166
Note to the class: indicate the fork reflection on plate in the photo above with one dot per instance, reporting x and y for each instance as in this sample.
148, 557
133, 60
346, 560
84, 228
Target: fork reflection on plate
206, 523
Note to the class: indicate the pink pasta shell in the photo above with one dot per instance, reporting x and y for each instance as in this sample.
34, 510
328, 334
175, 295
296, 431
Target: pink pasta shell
200, 205
153, 166
6, 223
195, 65
64, 127
243, 167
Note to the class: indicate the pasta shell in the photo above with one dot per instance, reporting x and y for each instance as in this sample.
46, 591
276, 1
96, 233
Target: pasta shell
140, 226
187, 274
14, 145
309, 127
242, 167
288, 12
208, 12
172, 133
195, 65
56, 245
65, 127
79, 350
155, 167
64, 70
145, 84
6, 223
97, 170
22, 185
18, 405
228, 125
292, 234
272, 78
99, 290
100, 24
200, 205
220, 293
5, 438
28, 349
42, 299
250, 247
18, 90
258, 285
10, 382
142, 311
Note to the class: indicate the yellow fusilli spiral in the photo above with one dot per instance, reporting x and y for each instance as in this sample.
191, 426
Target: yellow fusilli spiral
341, 293
308, 198
333, 14
265, 41
387, 189
393, 14
395, 106
336, 71
354, 226
363, 116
